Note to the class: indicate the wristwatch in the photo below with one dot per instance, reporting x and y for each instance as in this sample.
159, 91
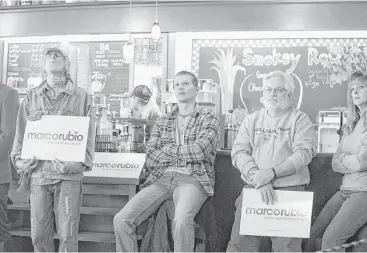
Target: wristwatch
274, 172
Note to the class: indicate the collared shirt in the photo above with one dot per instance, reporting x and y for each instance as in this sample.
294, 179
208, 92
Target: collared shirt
197, 153
71, 101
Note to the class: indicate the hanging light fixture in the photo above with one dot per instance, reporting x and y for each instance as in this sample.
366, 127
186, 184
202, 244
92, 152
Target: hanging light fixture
156, 28
128, 49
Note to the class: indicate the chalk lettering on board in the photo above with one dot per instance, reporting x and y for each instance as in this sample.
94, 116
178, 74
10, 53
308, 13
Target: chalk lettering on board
254, 87
314, 58
273, 59
260, 75
312, 84
25, 61
104, 46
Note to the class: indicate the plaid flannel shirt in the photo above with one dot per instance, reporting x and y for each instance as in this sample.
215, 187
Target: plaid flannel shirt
197, 153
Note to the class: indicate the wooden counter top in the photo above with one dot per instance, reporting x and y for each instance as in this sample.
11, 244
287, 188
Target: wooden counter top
227, 152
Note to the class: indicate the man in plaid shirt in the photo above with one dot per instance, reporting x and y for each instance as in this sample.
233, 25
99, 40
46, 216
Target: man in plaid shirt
180, 157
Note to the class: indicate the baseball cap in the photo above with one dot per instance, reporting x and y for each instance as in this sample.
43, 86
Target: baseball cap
54, 49
142, 91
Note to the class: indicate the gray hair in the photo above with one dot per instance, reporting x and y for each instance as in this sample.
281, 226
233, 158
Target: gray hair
287, 79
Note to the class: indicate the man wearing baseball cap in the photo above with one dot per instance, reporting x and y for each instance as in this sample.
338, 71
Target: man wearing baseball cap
142, 105
54, 185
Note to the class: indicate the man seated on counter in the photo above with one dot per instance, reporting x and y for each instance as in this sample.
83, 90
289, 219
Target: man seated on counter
180, 158
272, 151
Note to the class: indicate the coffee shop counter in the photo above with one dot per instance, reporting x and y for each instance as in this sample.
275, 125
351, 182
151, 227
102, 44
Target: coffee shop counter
103, 197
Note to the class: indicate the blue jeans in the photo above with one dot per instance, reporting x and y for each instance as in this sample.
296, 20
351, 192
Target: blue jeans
342, 217
249, 243
188, 197
4, 222
65, 198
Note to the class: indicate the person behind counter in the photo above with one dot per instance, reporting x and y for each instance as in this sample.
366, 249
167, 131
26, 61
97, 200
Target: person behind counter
143, 107
54, 185
346, 212
180, 157
272, 151
9, 105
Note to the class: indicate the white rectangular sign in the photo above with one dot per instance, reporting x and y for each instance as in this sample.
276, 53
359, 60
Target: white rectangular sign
290, 216
55, 136
117, 165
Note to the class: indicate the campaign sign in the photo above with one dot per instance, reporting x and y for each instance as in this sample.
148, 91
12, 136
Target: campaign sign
117, 165
290, 216
55, 136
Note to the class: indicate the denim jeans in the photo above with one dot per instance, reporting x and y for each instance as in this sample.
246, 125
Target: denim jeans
249, 243
342, 217
4, 222
65, 199
188, 197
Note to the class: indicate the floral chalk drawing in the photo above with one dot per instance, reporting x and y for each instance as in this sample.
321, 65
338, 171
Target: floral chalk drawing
352, 59
227, 67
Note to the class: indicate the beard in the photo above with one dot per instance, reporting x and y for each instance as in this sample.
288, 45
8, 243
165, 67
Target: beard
276, 104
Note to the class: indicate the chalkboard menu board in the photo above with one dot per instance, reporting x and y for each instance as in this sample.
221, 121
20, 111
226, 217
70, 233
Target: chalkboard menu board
103, 63
24, 64
320, 69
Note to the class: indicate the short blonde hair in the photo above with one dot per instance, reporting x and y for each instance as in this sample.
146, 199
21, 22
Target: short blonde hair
194, 78
287, 79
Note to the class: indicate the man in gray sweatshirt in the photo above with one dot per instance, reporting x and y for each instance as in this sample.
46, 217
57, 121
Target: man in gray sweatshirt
9, 105
272, 151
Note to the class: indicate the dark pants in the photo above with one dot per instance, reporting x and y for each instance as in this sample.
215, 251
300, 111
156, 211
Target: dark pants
4, 222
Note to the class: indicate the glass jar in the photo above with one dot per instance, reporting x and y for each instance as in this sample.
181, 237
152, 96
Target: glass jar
125, 105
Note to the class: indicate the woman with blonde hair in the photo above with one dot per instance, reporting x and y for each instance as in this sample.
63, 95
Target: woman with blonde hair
346, 212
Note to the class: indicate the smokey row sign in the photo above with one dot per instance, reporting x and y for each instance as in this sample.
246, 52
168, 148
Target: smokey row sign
314, 57
320, 69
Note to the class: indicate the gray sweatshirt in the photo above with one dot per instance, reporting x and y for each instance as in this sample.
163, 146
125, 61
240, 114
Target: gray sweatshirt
267, 142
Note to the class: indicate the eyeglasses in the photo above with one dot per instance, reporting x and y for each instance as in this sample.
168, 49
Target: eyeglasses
277, 90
